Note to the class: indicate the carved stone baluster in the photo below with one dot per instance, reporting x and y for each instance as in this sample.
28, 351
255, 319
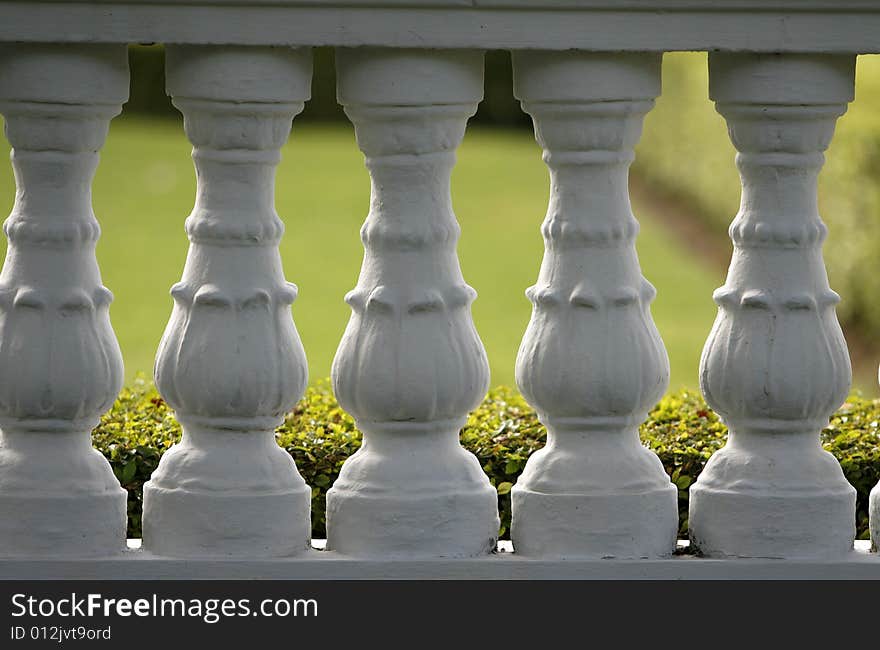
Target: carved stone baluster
410, 365
775, 366
592, 362
231, 362
60, 365
874, 517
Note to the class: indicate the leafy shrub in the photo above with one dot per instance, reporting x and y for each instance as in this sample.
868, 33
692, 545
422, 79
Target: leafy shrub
502, 433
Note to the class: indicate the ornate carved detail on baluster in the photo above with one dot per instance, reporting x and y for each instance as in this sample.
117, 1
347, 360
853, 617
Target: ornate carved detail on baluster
231, 362
775, 365
60, 364
410, 365
592, 362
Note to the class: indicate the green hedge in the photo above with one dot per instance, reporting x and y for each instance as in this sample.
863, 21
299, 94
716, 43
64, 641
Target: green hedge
685, 151
502, 432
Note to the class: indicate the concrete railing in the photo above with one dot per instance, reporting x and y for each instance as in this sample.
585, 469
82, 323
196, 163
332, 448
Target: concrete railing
227, 501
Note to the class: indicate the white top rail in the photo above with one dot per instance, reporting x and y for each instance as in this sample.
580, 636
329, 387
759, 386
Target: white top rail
827, 26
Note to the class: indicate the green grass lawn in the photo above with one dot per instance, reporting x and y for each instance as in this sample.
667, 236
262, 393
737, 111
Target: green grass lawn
144, 190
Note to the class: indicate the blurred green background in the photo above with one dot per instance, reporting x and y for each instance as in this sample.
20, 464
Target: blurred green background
684, 174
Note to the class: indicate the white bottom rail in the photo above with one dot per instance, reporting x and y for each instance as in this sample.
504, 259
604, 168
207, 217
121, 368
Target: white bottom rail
136, 564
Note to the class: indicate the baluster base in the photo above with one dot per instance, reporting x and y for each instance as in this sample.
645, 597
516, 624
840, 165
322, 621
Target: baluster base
874, 517
772, 492
226, 492
639, 525
594, 491
183, 523
81, 525
58, 495
449, 524
412, 491
727, 523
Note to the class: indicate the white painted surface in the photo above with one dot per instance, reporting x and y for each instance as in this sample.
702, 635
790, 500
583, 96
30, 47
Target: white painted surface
874, 516
227, 502
602, 25
231, 363
504, 565
60, 364
775, 366
592, 362
410, 365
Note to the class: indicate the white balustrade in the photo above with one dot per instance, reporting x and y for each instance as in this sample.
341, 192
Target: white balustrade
231, 362
410, 365
592, 362
412, 502
775, 366
60, 364
874, 517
